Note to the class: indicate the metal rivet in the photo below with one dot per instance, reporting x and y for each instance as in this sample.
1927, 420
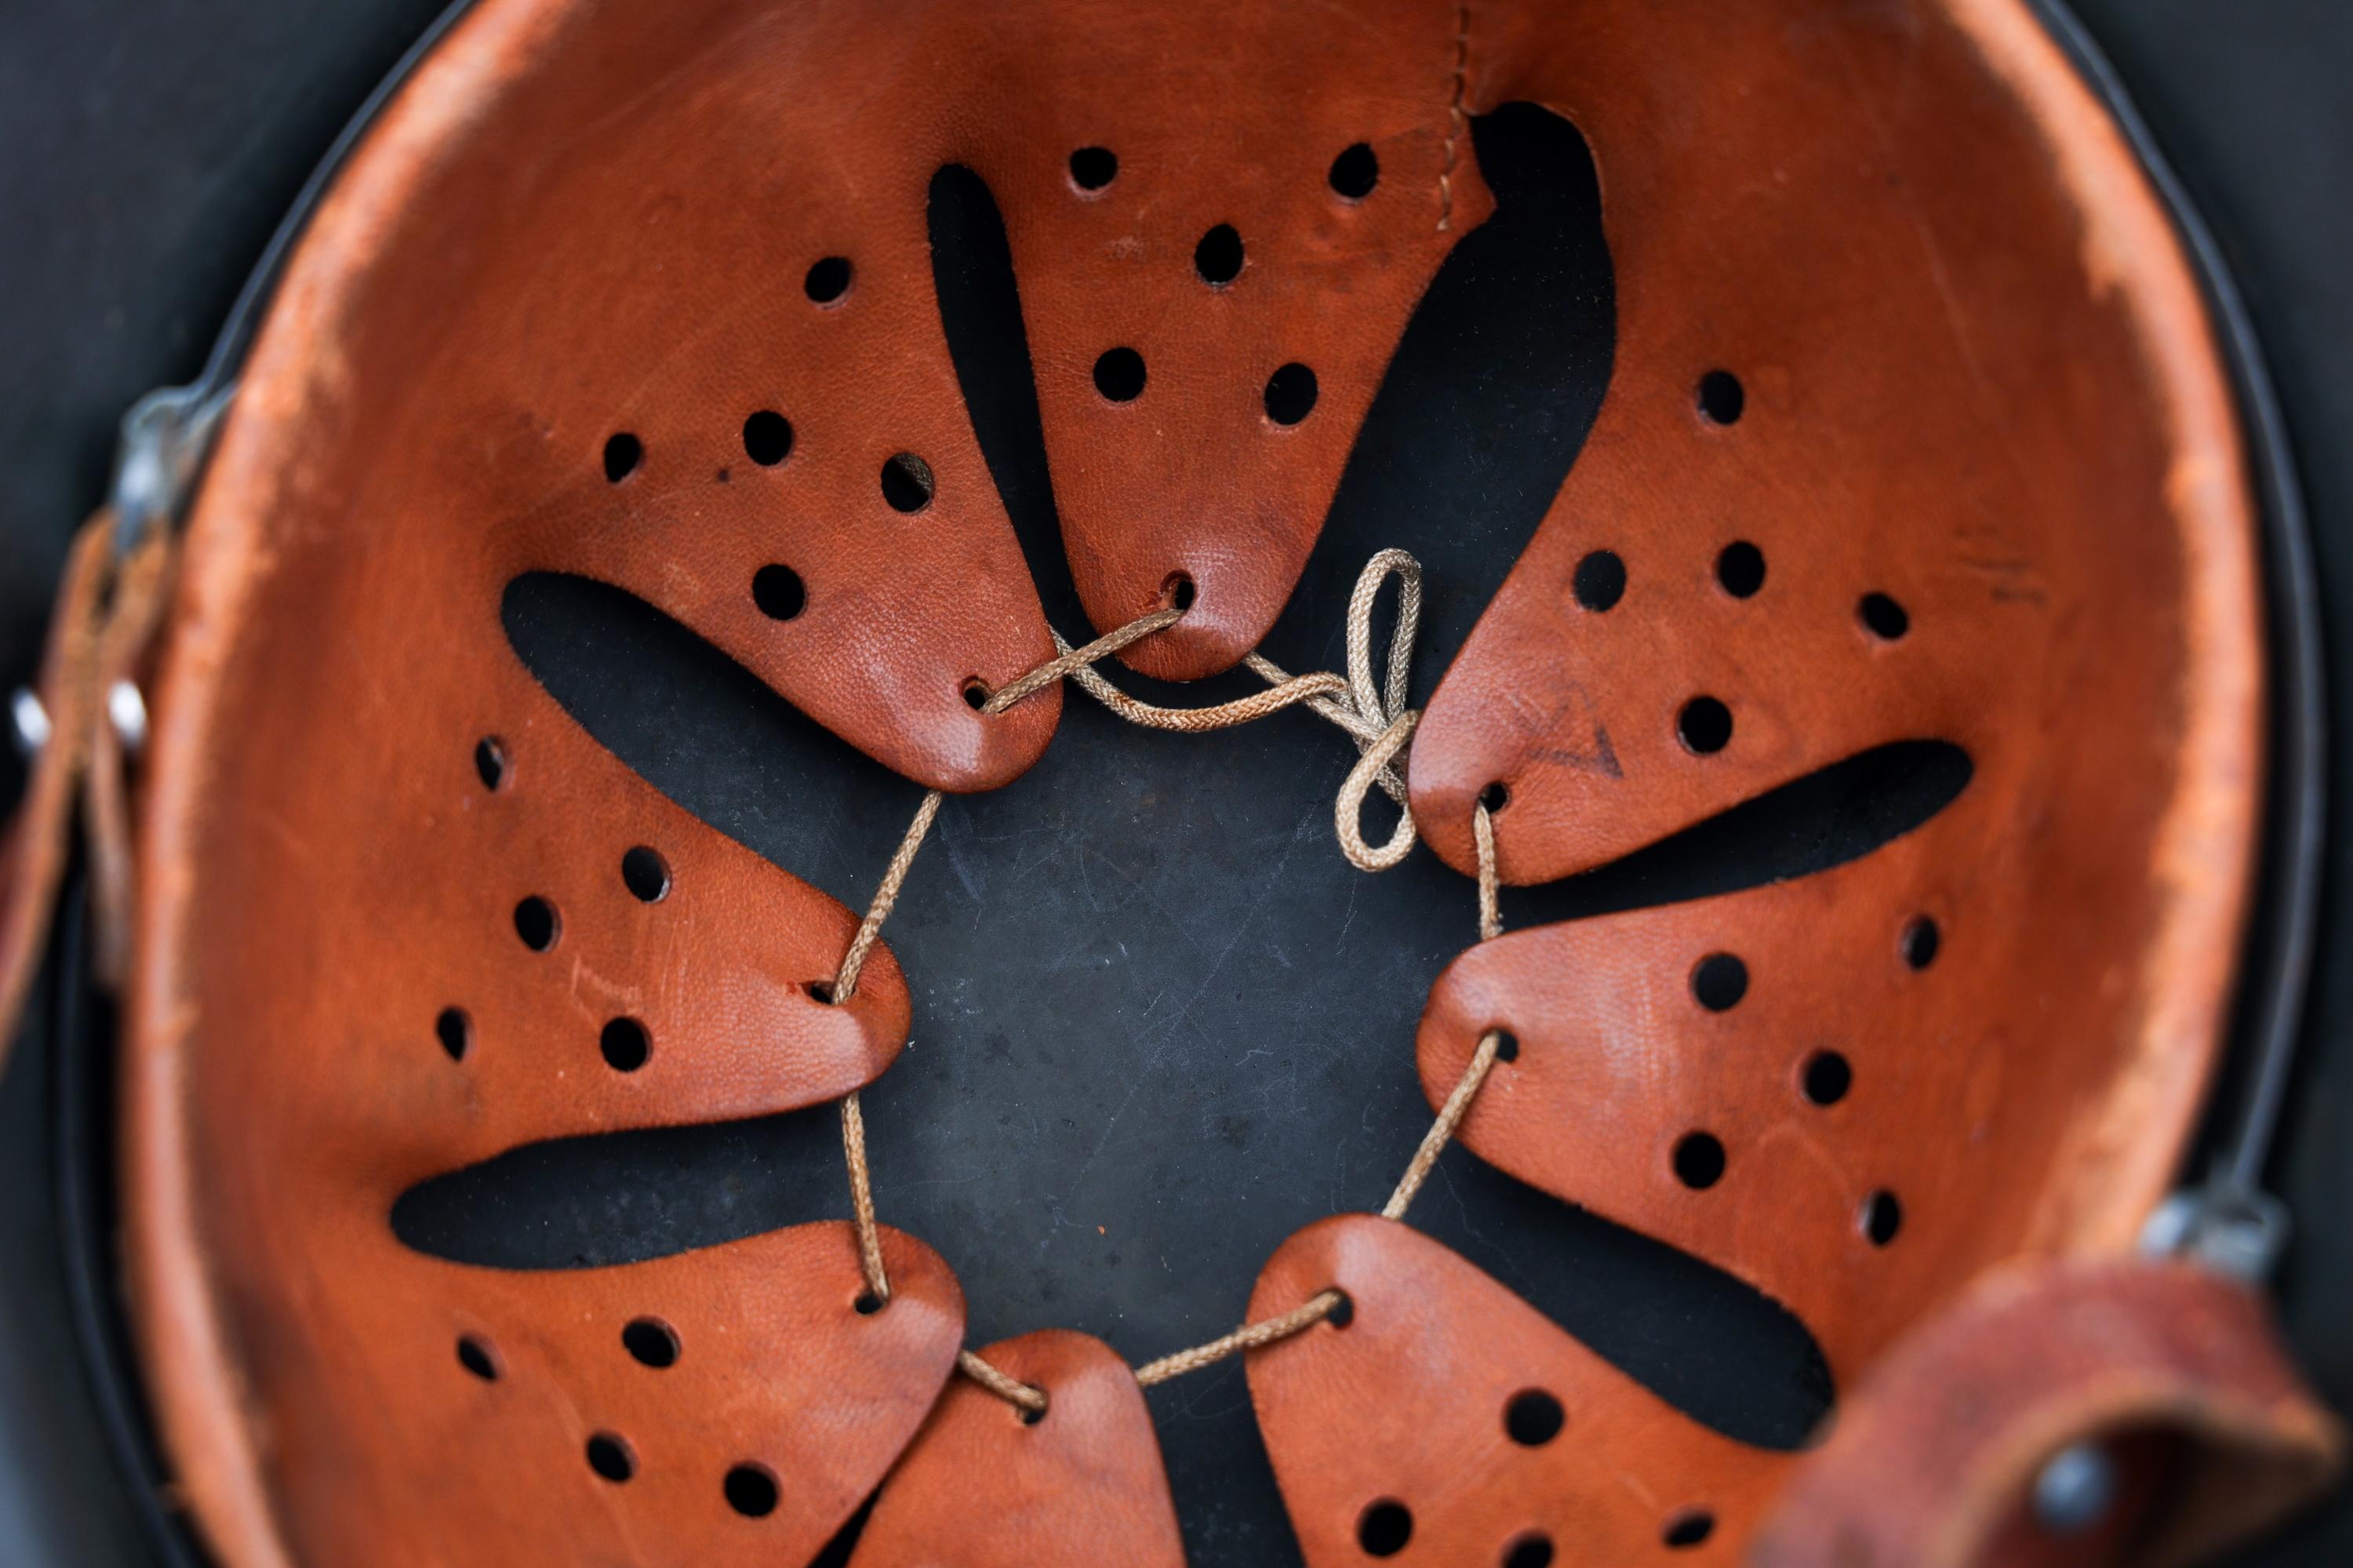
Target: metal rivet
2075, 1489
126, 710
28, 722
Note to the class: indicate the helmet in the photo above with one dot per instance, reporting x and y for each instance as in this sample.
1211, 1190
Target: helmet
1826, 668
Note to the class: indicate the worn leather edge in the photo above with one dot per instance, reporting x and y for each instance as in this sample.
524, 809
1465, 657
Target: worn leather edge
2205, 850
204, 1415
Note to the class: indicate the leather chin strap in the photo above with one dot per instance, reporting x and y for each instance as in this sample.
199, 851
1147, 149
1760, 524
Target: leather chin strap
2072, 1412
107, 613
2160, 1388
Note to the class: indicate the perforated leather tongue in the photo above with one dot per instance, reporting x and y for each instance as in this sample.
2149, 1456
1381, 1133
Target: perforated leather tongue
1446, 1418
1210, 322
666, 1409
1913, 453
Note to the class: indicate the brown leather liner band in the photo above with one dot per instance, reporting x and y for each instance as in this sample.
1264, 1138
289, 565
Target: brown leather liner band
337, 648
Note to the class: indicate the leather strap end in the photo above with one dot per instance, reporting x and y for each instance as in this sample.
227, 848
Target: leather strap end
36, 840
2165, 1384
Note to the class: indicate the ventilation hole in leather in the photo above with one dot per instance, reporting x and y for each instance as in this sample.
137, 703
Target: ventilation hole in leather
623, 452
651, 1342
827, 279
1883, 617
456, 1032
1689, 1528
1507, 1045
975, 693
1356, 172
1119, 374
1344, 1314
537, 922
474, 1353
1827, 1077
867, 1304
1704, 727
1699, 1161
1531, 1551
1533, 1418
1883, 1216
1495, 797
1921, 940
907, 482
490, 761
1826, 818
1290, 394
1721, 397
1218, 258
1718, 982
625, 1045
1600, 581
1091, 168
1178, 591
1740, 569
646, 875
750, 1491
1384, 1528
609, 1456
768, 439
780, 591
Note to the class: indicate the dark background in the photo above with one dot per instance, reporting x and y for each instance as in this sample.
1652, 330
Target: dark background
146, 151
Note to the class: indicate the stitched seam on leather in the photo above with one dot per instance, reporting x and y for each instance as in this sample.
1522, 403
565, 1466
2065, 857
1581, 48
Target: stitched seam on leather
1454, 118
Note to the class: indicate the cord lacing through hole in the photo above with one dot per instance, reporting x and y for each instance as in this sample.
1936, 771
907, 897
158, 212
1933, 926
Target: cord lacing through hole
1377, 719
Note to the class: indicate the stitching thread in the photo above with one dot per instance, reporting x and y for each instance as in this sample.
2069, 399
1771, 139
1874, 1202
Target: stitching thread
1454, 117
